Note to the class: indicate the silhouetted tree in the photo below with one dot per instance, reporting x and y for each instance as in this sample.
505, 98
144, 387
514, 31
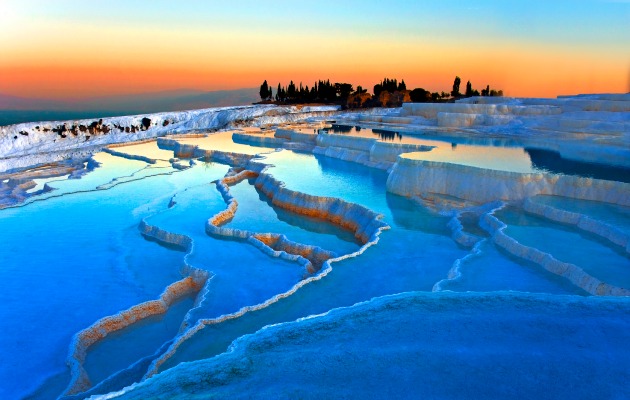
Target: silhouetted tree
343, 90
469, 90
419, 95
378, 88
389, 85
281, 95
387, 93
456, 83
264, 91
291, 91
326, 91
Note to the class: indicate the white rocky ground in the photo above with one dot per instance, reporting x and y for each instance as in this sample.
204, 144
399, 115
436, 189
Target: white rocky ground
34, 143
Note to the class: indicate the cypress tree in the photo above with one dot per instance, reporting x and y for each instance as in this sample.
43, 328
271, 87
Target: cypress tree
456, 83
264, 91
469, 90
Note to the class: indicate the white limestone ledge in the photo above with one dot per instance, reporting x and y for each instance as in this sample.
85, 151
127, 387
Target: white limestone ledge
184, 150
580, 221
610, 102
129, 156
180, 241
18, 186
258, 140
457, 120
459, 235
411, 177
574, 274
294, 136
431, 110
367, 151
312, 258
364, 223
83, 340
55, 136
272, 244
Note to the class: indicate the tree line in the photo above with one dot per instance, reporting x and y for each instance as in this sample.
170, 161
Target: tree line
321, 91
470, 92
386, 93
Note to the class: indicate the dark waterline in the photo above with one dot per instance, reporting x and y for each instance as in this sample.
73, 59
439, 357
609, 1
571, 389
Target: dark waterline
552, 161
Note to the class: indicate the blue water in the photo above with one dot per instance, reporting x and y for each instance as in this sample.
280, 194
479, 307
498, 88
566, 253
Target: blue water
615, 215
500, 154
492, 270
442, 346
123, 348
605, 261
74, 255
257, 214
61, 258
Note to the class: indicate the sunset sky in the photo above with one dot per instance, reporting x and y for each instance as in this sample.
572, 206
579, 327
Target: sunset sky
71, 49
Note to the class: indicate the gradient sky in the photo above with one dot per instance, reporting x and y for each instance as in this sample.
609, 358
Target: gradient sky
81, 48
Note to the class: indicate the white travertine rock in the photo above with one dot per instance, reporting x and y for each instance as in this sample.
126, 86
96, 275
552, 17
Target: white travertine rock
397, 120
348, 142
186, 150
571, 272
367, 151
431, 110
129, 156
581, 221
357, 156
39, 137
600, 96
275, 245
389, 152
411, 177
587, 102
258, 140
457, 120
294, 136
364, 223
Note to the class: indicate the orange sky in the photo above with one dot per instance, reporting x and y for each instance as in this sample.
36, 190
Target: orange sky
70, 53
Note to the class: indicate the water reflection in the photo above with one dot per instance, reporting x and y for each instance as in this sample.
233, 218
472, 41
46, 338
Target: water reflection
383, 134
504, 156
410, 215
386, 135
552, 161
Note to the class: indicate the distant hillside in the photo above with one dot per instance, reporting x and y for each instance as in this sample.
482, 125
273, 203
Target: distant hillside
15, 109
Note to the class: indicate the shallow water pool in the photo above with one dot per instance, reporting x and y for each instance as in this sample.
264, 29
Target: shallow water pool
77, 254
